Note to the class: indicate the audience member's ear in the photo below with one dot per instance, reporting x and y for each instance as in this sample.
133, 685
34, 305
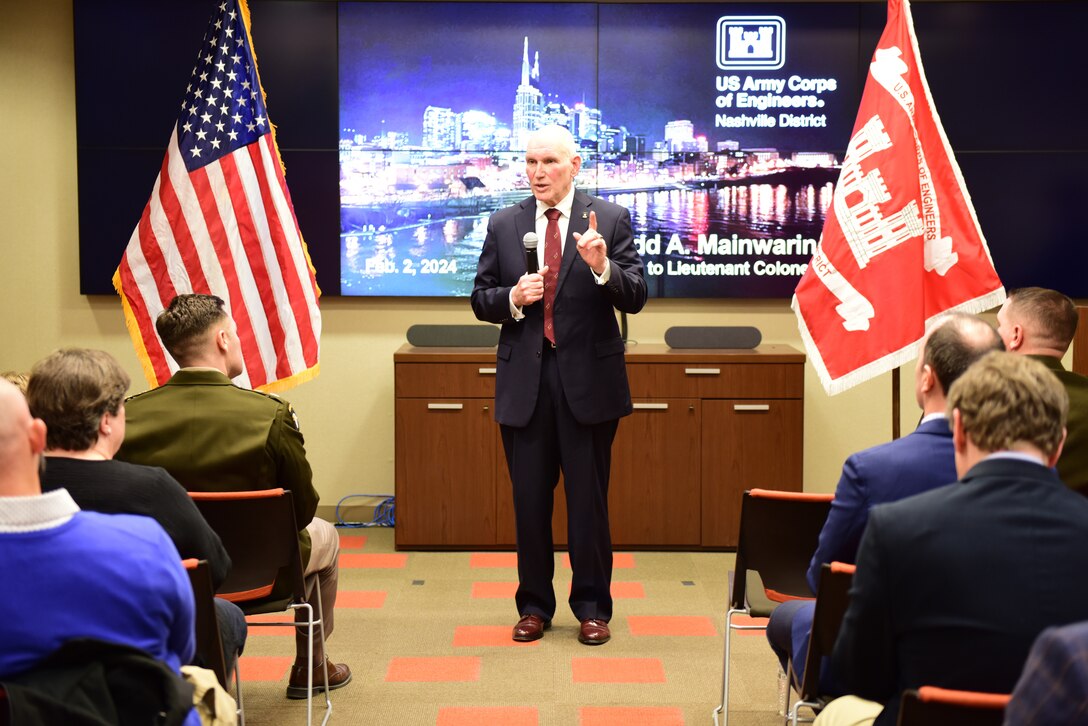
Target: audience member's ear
36, 435
1052, 460
1016, 339
929, 378
959, 436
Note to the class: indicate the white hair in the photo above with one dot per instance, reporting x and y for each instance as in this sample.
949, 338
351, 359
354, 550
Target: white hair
560, 136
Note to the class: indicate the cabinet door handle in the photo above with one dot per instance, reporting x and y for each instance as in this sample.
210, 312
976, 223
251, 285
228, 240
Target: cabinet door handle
651, 406
445, 406
487, 371
702, 371
751, 407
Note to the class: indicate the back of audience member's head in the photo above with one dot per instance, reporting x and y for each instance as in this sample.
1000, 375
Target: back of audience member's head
22, 439
958, 341
1049, 317
185, 324
1004, 400
17, 379
71, 390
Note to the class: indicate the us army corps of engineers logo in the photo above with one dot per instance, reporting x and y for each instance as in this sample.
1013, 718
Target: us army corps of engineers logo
751, 42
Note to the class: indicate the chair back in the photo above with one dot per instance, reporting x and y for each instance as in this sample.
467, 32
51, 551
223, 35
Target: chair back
832, 598
258, 531
779, 532
209, 646
932, 706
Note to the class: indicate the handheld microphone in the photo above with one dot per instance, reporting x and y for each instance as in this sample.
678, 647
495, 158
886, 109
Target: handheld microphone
530, 240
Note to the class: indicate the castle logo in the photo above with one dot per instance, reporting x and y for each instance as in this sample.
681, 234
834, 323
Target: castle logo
751, 42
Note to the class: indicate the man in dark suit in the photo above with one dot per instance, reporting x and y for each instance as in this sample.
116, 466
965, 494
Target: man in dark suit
1041, 323
953, 585
561, 382
889, 472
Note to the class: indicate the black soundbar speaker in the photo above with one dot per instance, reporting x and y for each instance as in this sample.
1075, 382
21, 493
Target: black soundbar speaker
453, 336
713, 336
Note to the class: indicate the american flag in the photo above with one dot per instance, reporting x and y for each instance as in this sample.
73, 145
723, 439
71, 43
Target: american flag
220, 221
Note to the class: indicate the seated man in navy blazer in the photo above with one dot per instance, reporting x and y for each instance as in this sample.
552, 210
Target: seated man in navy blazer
911, 465
953, 585
561, 384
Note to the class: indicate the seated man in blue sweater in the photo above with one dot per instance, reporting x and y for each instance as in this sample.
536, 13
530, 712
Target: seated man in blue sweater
911, 465
70, 574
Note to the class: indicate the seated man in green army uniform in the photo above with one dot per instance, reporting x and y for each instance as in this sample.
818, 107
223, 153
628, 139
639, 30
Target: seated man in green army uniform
214, 436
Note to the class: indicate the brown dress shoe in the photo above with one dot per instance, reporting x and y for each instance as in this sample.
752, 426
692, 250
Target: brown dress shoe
594, 632
530, 627
339, 676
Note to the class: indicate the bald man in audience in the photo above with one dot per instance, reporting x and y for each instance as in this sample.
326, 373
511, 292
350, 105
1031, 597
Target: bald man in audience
916, 463
953, 586
1041, 323
212, 435
71, 574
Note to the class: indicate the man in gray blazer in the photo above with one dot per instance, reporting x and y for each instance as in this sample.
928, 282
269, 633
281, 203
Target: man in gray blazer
561, 383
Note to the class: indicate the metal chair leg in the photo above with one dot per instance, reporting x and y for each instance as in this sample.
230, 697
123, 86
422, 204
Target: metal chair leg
311, 622
723, 707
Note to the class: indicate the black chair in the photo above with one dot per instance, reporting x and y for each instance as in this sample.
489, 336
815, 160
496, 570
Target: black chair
832, 598
258, 530
779, 532
209, 645
933, 706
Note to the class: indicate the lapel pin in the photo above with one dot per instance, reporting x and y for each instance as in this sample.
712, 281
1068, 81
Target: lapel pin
585, 215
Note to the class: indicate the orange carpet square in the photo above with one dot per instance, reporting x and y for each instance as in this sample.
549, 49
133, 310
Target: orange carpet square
671, 625
352, 541
481, 560
490, 636
621, 716
433, 670
747, 620
617, 670
628, 590
491, 716
368, 599
620, 560
273, 618
494, 590
390, 561
264, 667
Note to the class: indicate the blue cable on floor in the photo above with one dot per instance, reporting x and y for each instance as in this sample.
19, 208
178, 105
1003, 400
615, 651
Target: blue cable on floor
384, 513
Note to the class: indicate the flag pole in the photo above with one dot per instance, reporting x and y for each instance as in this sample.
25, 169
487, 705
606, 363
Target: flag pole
895, 403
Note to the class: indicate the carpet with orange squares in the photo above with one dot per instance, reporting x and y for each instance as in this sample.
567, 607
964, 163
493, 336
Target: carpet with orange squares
427, 636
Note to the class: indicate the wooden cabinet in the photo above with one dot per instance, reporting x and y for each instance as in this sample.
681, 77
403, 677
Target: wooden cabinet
707, 425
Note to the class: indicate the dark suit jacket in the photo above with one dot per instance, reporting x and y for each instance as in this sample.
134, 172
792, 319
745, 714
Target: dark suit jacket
1073, 465
952, 586
589, 348
916, 463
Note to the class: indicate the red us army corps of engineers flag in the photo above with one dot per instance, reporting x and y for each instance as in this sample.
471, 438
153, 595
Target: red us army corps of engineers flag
901, 243
220, 221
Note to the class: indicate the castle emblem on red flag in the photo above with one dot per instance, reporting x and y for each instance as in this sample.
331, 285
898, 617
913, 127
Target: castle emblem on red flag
901, 244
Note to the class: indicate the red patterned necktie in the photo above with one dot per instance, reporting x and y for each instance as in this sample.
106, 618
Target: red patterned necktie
553, 258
